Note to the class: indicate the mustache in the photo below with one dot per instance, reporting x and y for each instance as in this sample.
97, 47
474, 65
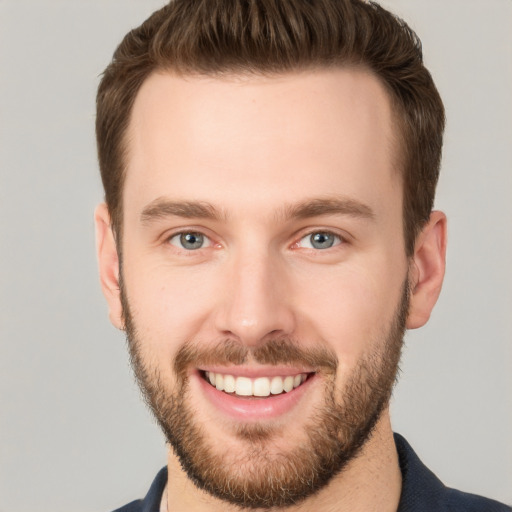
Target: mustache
273, 352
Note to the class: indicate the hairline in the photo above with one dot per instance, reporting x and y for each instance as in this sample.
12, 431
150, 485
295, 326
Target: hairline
397, 143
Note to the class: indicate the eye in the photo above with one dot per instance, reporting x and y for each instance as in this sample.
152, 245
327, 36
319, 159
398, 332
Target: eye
190, 241
319, 240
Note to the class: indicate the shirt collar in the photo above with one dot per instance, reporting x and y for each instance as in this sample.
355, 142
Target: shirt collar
421, 490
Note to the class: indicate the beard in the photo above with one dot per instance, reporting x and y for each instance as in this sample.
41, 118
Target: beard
259, 475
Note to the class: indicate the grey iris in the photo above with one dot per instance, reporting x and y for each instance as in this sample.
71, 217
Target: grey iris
322, 240
191, 241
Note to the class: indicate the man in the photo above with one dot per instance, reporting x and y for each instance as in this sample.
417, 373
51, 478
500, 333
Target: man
268, 235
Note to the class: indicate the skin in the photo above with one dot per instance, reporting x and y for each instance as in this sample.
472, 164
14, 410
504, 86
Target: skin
248, 146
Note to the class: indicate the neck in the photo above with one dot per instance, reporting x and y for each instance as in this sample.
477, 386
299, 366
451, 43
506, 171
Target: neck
371, 482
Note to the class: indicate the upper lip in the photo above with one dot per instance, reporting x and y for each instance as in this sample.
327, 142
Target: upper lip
253, 372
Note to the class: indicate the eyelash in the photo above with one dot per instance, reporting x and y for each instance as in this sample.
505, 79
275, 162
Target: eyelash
189, 232
338, 240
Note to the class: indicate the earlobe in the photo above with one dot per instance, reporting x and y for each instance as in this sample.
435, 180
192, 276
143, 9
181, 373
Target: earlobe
108, 262
426, 271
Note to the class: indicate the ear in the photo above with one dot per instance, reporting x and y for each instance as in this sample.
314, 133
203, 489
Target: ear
427, 270
108, 262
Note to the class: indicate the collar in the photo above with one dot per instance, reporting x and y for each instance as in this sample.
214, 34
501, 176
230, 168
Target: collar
422, 491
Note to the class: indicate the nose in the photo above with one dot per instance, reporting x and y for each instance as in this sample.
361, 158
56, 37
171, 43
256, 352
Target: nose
256, 302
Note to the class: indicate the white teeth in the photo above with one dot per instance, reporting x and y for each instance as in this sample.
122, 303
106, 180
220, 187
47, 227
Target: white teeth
276, 386
243, 386
262, 386
229, 384
288, 383
219, 381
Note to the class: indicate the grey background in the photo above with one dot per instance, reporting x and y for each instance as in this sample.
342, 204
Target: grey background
73, 433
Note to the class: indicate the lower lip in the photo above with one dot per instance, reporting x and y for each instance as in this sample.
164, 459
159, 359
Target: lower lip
253, 408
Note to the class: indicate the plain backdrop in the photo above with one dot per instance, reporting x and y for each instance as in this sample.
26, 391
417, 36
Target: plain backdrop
74, 435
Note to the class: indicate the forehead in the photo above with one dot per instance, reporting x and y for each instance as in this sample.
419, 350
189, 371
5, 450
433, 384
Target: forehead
298, 134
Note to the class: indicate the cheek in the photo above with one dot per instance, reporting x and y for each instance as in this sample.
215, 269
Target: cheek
168, 306
351, 310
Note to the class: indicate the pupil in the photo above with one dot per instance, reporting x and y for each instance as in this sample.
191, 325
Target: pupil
191, 240
322, 240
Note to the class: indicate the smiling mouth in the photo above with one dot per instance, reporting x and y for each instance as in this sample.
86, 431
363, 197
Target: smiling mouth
260, 387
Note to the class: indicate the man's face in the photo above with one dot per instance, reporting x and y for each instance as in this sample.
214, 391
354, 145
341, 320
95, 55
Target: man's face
263, 252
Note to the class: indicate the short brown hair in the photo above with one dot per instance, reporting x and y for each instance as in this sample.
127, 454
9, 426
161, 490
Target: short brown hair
276, 36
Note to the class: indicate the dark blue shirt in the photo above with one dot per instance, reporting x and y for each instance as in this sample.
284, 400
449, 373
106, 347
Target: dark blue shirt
422, 491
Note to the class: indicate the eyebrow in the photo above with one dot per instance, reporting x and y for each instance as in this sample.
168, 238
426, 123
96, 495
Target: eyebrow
327, 206
161, 208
